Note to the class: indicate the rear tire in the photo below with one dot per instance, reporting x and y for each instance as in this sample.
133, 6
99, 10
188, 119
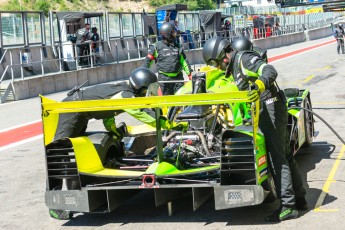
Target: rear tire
308, 123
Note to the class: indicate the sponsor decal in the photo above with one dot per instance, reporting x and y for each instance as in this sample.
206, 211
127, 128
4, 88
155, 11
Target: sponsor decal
271, 100
262, 160
263, 172
71, 200
254, 60
234, 196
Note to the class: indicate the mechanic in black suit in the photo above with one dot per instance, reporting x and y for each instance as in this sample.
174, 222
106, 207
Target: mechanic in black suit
251, 72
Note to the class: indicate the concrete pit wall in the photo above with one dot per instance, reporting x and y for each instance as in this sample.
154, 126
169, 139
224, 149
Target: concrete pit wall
55, 82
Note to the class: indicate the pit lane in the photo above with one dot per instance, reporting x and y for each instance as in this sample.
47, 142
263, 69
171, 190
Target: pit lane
321, 70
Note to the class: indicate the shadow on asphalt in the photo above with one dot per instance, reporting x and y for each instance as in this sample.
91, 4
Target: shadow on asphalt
141, 208
307, 159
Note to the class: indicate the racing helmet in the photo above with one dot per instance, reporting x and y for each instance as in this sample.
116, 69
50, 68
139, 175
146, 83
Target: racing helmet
340, 25
167, 31
140, 79
214, 52
241, 44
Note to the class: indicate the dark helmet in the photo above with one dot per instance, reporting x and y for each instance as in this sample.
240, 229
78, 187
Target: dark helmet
166, 31
241, 44
214, 52
140, 79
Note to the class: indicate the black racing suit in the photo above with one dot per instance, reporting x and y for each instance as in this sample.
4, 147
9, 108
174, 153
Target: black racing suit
339, 36
249, 67
75, 124
171, 60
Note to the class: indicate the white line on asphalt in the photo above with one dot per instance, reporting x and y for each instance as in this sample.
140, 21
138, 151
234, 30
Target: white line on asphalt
21, 142
19, 126
10, 103
26, 140
303, 52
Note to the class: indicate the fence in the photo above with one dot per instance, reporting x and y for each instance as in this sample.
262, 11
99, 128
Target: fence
29, 47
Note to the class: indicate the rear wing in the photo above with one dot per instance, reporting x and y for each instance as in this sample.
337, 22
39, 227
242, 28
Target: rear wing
51, 109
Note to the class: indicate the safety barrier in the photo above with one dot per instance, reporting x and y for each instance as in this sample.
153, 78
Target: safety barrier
119, 58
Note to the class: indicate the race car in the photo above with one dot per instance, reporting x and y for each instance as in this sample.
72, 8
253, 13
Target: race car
218, 155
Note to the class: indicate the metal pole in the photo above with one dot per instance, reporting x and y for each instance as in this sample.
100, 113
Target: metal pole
77, 57
59, 55
159, 146
107, 28
1, 40
14, 28
43, 29
12, 76
51, 29
91, 54
26, 29
128, 54
117, 52
21, 64
42, 66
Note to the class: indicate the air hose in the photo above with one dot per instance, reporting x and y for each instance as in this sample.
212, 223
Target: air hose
325, 122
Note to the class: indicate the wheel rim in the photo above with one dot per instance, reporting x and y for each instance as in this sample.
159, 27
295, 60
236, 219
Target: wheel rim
309, 129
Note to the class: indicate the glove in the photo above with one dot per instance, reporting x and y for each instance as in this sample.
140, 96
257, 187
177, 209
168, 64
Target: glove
256, 89
110, 126
170, 125
190, 76
253, 95
180, 126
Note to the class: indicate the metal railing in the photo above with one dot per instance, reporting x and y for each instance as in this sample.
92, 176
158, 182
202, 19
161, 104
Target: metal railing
113, 51
107, 54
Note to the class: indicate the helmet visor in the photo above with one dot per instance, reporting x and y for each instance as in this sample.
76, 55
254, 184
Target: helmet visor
141, 92
213, 63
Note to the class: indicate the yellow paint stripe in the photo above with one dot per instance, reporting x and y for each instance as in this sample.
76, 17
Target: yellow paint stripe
325, 210
329, 180
326, 67
309, 78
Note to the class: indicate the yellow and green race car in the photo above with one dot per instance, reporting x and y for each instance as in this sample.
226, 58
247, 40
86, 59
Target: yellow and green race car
217, 156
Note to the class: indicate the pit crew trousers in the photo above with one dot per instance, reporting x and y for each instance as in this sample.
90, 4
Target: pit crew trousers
340, 44
273, 124
170, 88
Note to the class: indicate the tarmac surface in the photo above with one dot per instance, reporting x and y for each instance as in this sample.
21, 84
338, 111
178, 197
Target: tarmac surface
321, 70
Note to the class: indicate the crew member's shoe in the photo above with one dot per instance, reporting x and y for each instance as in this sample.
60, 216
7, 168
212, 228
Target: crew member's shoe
284, 213
60, 214
288, 213
301, 204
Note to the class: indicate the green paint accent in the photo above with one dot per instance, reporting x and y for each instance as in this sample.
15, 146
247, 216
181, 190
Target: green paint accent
261, 68
286, 212
170, 74
167, 169
53, 214
250, 73
184, 64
